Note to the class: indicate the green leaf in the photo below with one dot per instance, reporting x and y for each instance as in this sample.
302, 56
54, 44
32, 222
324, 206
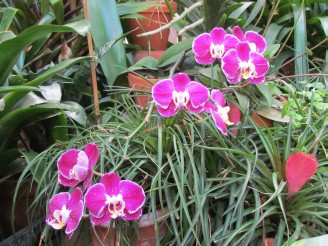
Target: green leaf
6, 89
272, 33
300, 41
238, 12
103, 12
7, 18
12, 98
8, 165
317, 241
272, 114
11, 49
58, 8
37, 168
259, 5
6, 36
265, 91
271, 50
13, 120
76, 112
172, 54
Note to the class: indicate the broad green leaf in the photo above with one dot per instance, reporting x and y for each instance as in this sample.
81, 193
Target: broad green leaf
272, 114
235, 14
317, 241
106, 26
259, 5
271, 51
172, 54
12, 98
300, 41
7, 17
52, 93
6, 36
13, 120
11, 49
58, 8
37, 168
243, 101
265, 91
133, 7
78, 113
7, 89
272, 33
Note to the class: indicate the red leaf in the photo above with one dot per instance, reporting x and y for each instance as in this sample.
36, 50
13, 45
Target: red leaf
234, 116
299, 169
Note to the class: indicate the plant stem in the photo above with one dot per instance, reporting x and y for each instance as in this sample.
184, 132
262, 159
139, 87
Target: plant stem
298, 75
174, 20
92, 67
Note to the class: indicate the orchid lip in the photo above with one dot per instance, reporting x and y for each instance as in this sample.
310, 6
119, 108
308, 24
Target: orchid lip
116, 206
180, 99
217, 51
223, 112
247, 70
60, 218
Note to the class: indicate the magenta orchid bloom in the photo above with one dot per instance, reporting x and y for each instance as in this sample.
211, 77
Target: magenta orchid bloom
75, 166
113, 198
299, 169
177, 93
242, 63
211, 46
66, 209
219, 111
255, 40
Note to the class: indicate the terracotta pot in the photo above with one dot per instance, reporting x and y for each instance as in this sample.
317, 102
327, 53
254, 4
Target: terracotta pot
138, 83
268, 242
144, 53
24, 200
261, 121
154, 17
105, 235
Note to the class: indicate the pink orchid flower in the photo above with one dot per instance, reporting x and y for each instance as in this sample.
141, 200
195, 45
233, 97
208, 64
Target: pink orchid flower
219, 111
66, 209
113, 198
75, 166
255, 40
299, 169
242, 63
211, 46
177, 93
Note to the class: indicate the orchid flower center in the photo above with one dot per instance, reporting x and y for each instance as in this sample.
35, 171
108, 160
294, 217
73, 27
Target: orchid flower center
79, 170
223, 112
60, 218
116, 205
247, 69
217, 51
181, 98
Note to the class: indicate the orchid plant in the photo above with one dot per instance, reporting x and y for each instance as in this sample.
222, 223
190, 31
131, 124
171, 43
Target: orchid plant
107, 200
242, 58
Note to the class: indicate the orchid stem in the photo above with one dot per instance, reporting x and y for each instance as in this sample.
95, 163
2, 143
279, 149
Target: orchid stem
96, 173
212, 75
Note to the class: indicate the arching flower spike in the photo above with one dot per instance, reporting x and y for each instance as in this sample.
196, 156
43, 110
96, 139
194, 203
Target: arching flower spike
219, 111
242, 63
113, 198
66, 209
299, 169
255, 40
177, 93
211, 46
75, 166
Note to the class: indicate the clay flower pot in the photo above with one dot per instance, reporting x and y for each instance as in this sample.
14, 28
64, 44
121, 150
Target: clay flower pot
105, 235
138, 83
154, 18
